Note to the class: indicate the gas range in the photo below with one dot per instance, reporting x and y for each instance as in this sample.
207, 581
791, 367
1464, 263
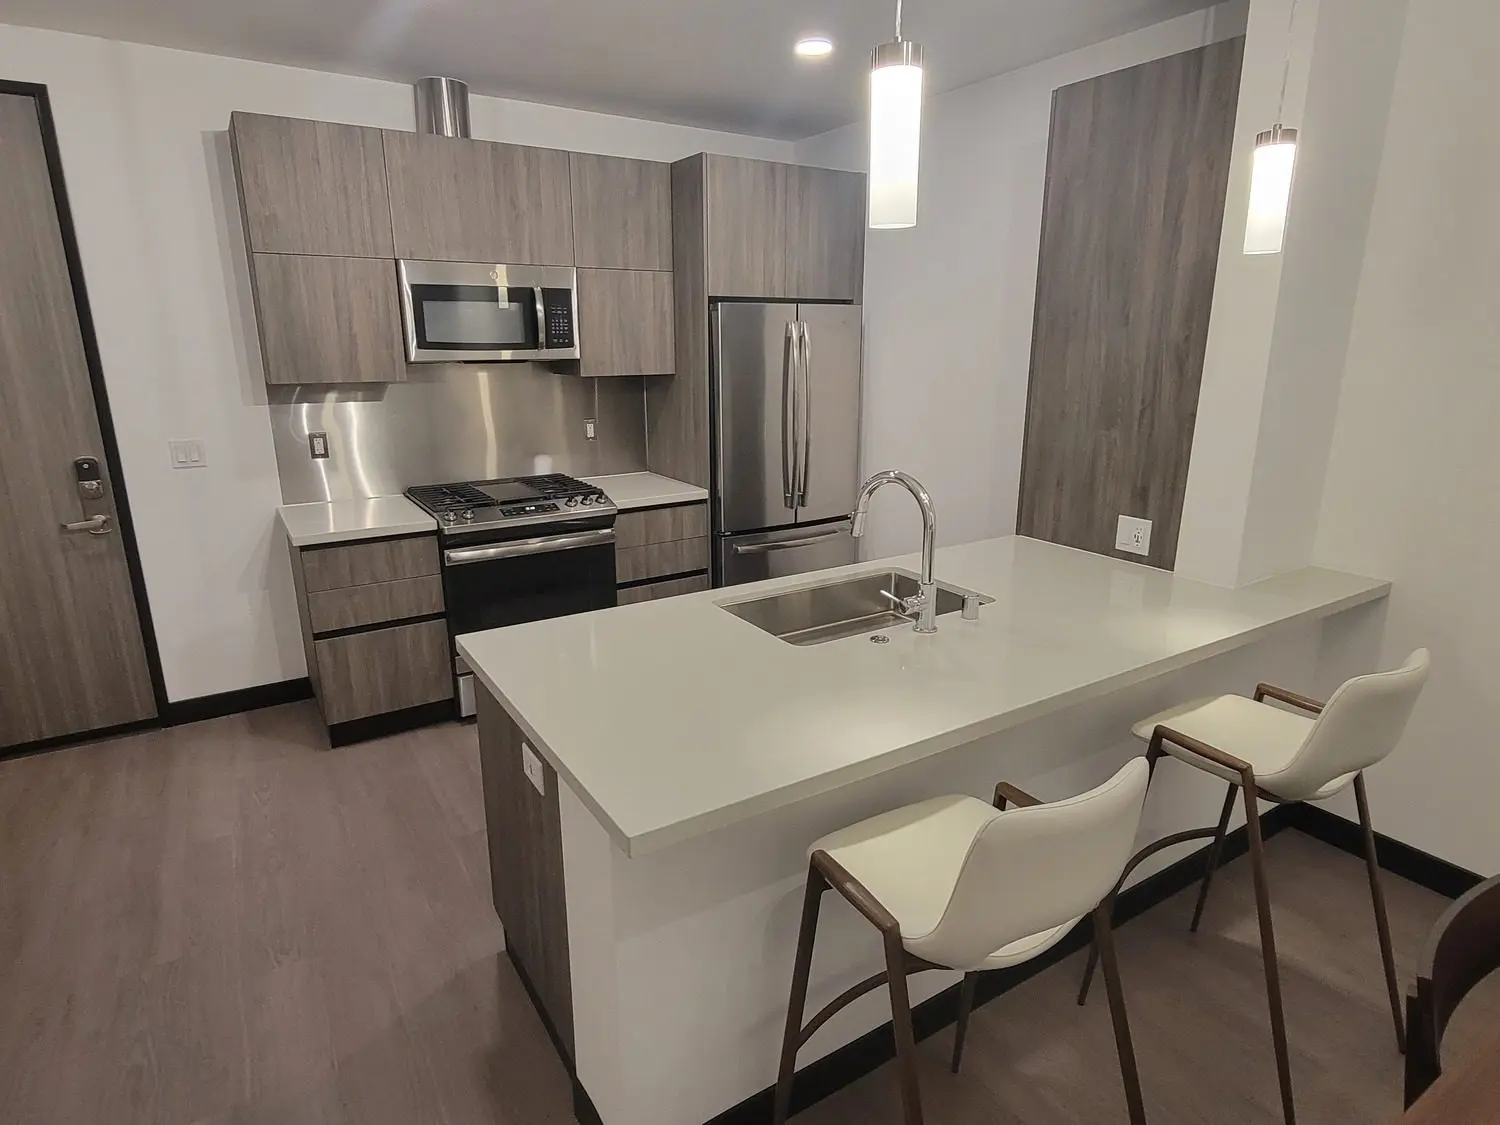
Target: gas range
465, 508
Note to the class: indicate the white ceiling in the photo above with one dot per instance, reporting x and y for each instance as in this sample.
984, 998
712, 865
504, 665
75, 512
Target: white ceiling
716, 63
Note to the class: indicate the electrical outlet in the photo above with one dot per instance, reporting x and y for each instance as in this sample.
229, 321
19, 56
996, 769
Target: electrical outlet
188, 454
532, 766
1133, 535
590, 429
317, 445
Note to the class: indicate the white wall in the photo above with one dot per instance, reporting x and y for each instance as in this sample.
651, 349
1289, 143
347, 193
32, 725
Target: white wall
949, 304
1410, 492
141, 134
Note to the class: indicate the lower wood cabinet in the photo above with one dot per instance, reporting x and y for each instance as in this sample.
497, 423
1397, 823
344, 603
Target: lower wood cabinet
625, 323
380, 670
357, 606
666, 542
657, 560
655, 591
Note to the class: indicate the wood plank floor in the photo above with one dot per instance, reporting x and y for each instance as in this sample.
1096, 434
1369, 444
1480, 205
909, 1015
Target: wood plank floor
223, 923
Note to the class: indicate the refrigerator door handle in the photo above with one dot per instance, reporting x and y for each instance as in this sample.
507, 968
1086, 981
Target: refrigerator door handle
786, 544
789, 416
804, 394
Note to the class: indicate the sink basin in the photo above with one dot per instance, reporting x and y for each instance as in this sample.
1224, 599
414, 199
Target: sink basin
846, 608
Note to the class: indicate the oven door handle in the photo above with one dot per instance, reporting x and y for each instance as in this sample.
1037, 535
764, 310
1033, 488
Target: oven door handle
543, 545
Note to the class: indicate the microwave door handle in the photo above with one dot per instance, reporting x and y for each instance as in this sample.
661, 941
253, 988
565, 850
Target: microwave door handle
541, 319
788, 416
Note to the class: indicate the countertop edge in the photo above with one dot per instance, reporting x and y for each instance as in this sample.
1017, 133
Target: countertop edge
657, 839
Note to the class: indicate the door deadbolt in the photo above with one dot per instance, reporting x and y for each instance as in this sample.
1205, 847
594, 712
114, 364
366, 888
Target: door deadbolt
90, 478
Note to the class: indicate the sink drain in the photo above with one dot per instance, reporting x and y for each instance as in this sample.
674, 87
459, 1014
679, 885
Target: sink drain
880, 639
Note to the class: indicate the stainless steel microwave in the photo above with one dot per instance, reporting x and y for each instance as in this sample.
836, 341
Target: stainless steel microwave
467, 312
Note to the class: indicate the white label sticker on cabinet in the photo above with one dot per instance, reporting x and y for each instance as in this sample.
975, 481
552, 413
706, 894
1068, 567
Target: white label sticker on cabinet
533, 767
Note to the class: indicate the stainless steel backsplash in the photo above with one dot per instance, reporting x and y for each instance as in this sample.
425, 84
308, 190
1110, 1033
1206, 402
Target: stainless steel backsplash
453, 422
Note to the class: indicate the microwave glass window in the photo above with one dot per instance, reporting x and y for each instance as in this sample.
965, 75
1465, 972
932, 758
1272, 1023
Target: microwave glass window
469, 317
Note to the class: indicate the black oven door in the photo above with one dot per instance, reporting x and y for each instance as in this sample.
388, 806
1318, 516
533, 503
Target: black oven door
499, 584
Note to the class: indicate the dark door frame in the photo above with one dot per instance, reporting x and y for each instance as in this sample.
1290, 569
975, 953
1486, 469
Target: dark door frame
111, 452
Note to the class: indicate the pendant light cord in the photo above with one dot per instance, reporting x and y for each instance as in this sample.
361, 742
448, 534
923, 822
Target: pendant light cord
898, 19
1286, 73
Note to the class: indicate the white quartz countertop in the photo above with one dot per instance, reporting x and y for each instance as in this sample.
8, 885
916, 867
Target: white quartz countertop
339, 521
673, 718
646, 490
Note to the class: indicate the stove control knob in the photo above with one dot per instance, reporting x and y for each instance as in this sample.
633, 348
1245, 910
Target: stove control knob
468, 513
572, 501
600, 498
585, 499
449, 517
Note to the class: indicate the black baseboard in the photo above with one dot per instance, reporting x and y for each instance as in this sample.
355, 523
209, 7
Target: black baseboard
392, 722
854, 1060
233, 702
1412, 864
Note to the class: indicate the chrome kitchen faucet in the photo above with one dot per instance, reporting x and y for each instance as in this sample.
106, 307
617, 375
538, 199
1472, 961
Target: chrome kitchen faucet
922, 604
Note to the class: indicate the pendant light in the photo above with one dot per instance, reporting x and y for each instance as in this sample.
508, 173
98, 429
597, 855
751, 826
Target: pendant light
895, 131
1271, 175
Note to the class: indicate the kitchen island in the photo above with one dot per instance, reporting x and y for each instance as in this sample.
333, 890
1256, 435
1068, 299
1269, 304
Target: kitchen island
654, 773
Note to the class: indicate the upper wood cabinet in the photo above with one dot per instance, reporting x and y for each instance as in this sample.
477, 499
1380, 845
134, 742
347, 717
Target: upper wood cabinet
479, 201
625, 322
747, 213
622, 212
825, 233
328, 320
311, 187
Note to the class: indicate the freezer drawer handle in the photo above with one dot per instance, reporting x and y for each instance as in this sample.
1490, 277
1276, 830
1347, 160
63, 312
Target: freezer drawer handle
544, 545
783, 545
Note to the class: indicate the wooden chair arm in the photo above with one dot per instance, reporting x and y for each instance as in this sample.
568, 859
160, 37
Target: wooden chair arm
1205, 751
1270, 691
855, 893
1006, 792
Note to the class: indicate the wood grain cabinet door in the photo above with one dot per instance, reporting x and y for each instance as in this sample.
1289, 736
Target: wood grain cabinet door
747, 215
371, 673
622, 212
625, 322
479, 201
825, 234
328, 320
311, 187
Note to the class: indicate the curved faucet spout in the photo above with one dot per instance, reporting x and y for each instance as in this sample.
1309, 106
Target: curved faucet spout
927, 622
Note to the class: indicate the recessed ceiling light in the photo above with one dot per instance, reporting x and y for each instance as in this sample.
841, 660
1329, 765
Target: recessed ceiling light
814, 47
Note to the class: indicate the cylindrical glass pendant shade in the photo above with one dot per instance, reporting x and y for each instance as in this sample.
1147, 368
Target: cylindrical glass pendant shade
1271, 190
895, 133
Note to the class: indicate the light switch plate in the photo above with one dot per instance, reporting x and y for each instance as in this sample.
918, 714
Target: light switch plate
188, 453
532, 765
1133, 535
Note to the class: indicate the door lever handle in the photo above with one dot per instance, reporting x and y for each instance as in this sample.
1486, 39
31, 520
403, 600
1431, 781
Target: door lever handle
98, 525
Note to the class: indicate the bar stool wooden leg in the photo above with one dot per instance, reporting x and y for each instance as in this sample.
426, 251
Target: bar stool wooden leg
1377, 896
1215, 853
965, 1006
1129, 1074
906, 1042
1268, 949
812, 898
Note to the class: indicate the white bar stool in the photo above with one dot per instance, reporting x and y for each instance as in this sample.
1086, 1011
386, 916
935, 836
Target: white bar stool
1271, 754
954, 883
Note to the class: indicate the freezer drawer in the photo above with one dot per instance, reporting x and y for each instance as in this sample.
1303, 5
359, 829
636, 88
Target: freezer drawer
776, 554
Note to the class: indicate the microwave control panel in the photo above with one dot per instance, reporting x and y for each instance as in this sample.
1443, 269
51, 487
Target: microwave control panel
557, 305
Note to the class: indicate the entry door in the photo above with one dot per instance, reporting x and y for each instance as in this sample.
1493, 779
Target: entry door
72, 658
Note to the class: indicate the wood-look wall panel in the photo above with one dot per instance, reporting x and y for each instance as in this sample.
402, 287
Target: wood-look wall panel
355, 606
622, 212
655, 591
359, 564
657, 560
311, 187
524, 829
372, 673
661, 525
677, 405
1137, 174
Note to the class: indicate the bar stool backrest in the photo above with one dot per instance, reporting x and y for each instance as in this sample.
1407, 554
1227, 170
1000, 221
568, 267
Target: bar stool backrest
1033, 869
1360, 725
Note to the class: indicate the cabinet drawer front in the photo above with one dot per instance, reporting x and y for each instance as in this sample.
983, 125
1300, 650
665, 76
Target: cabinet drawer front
661, 525
383, 670
361, 564
656, 560
658, 590
353, 606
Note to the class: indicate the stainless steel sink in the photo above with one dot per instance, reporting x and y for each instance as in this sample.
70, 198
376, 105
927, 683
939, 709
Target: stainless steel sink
846, 608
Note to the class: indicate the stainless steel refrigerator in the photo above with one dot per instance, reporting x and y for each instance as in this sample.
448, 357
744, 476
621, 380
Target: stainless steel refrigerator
785, 403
